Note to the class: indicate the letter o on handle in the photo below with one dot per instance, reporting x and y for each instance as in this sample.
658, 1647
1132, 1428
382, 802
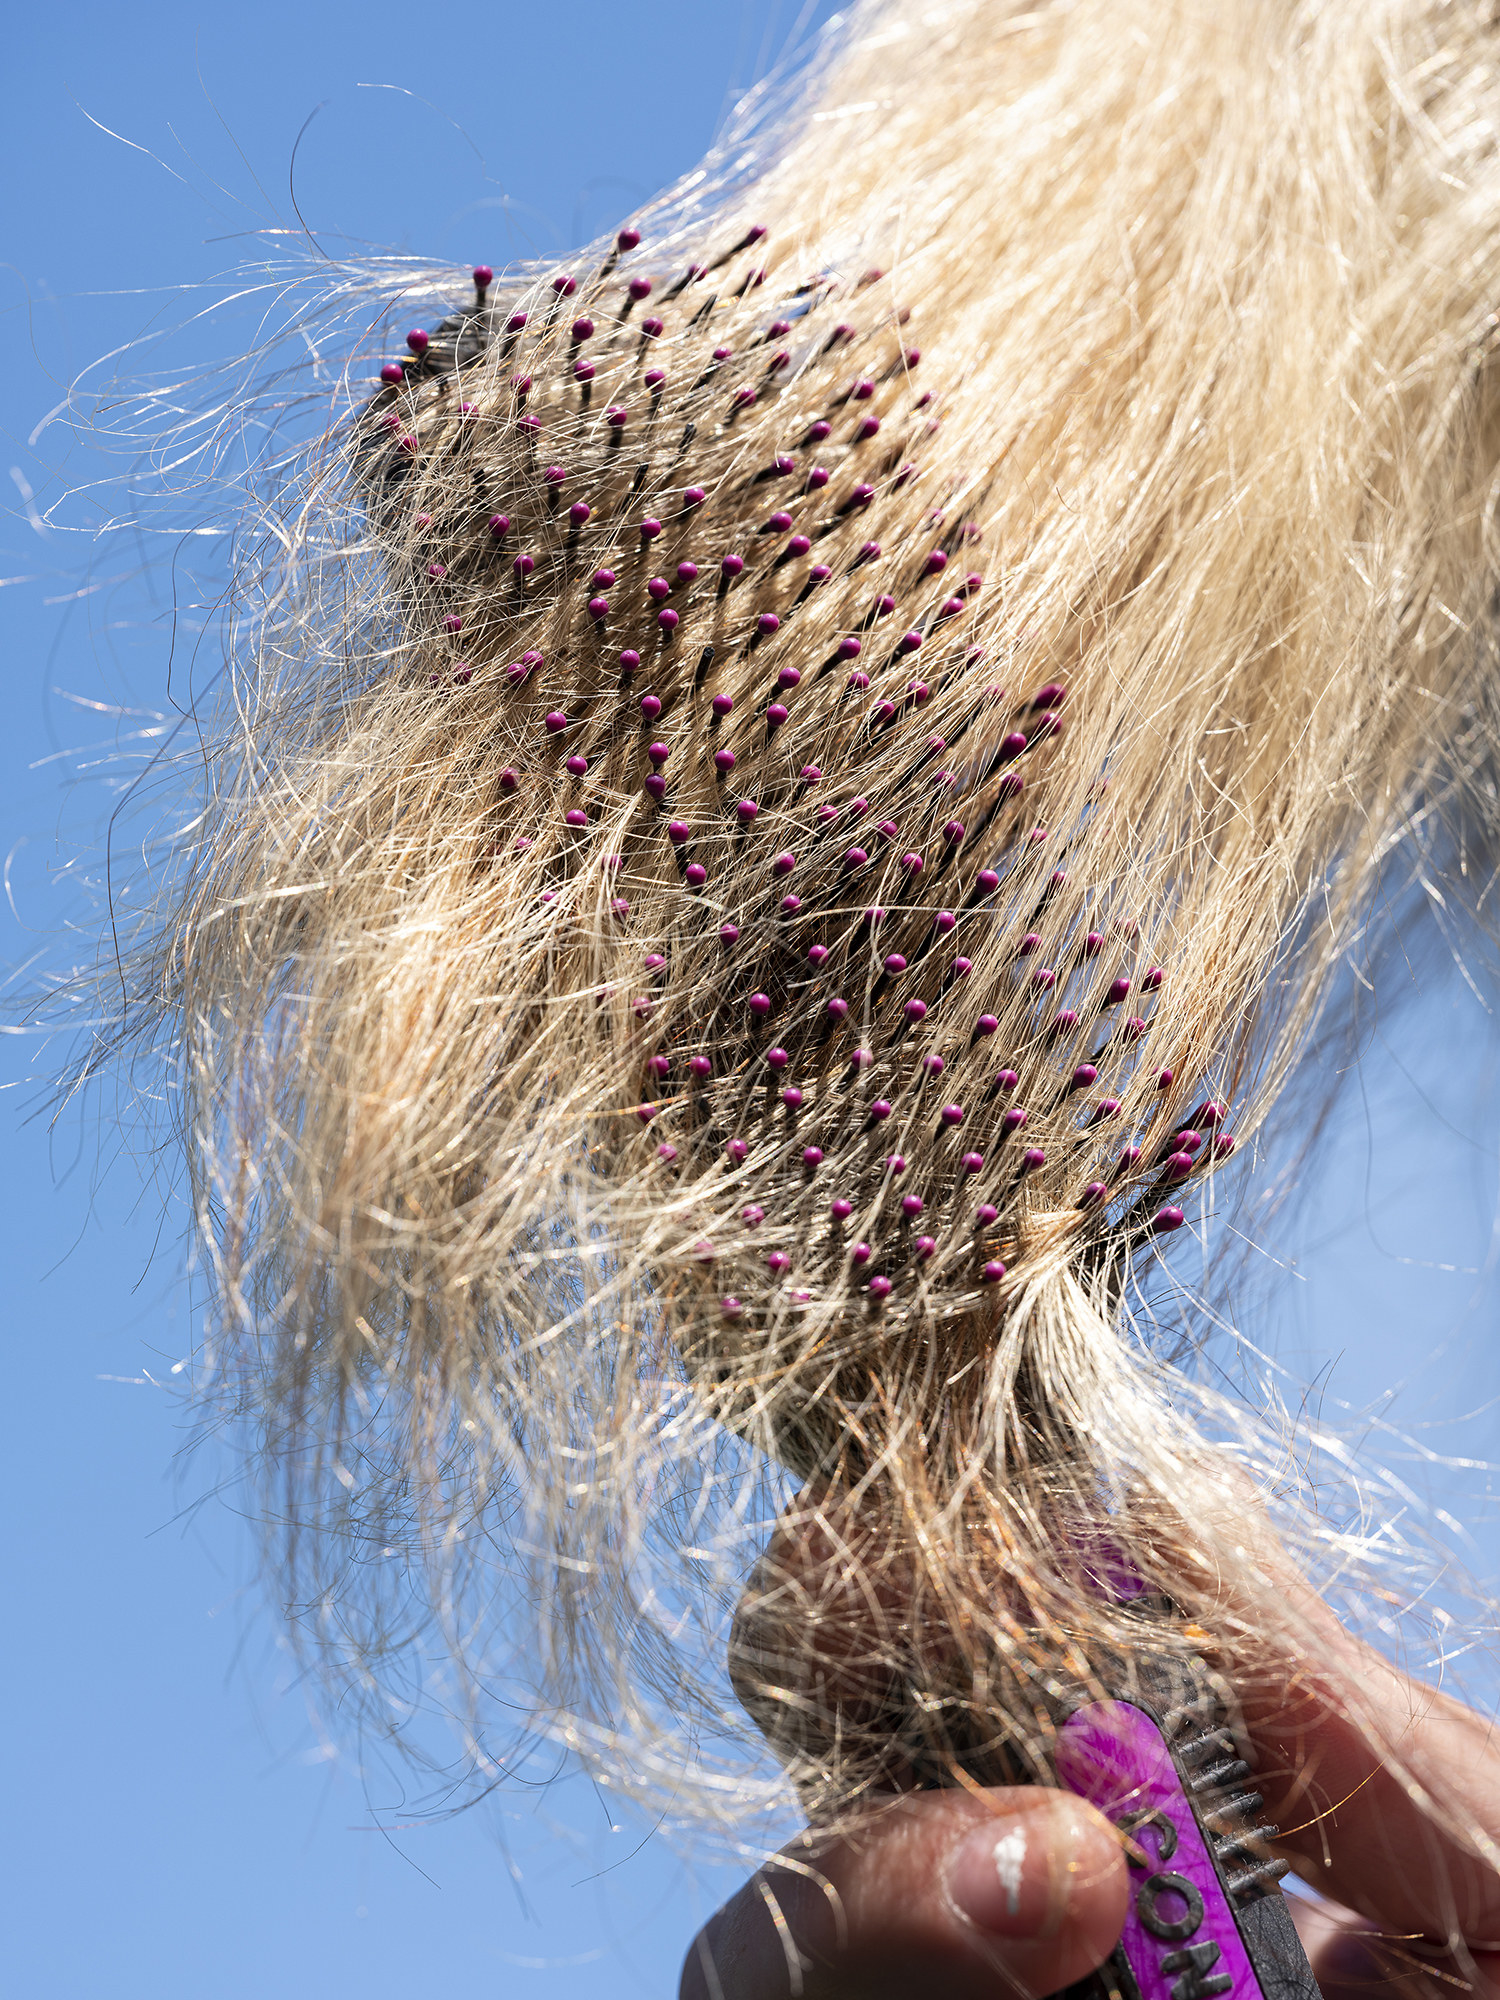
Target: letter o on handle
1173, 1929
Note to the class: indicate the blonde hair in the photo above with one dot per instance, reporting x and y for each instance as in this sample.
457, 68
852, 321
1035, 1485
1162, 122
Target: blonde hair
785, 788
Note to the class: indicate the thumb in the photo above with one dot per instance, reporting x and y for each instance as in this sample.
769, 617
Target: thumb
969, 1895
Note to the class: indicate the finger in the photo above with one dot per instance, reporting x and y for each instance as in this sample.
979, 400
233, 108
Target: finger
1353, 1959
1386, 1791
1394, 1811
968, 1895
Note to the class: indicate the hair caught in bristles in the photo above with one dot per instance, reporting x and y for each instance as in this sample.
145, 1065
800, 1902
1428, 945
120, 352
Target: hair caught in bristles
798, 784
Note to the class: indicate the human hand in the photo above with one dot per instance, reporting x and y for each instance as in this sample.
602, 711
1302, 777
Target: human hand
1023, 1890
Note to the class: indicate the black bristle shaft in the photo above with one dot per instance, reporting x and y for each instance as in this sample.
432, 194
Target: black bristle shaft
1261, 1876
1232, 1772
1249, 1844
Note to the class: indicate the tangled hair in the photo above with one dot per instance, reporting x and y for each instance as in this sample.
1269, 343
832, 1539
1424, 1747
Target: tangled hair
786, 794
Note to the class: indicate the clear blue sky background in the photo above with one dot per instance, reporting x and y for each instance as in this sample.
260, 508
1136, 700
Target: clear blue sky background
173, 1824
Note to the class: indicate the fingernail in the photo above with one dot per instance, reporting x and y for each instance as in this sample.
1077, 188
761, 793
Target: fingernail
1015, 1876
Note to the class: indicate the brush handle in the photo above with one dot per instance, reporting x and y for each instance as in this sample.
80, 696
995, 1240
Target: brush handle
1206, 1919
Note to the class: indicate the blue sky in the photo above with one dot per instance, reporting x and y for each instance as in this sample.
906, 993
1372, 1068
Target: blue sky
175, 1822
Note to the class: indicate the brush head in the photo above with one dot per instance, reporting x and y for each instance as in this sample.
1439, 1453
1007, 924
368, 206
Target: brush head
853, 958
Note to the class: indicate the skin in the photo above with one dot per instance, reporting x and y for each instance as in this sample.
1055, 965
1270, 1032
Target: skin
1408, 1901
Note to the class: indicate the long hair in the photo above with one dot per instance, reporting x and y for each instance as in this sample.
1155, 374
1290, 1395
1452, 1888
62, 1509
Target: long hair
789, 791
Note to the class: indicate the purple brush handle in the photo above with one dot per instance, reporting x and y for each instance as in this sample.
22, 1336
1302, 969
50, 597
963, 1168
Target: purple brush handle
1183, 1939
1180, 1939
